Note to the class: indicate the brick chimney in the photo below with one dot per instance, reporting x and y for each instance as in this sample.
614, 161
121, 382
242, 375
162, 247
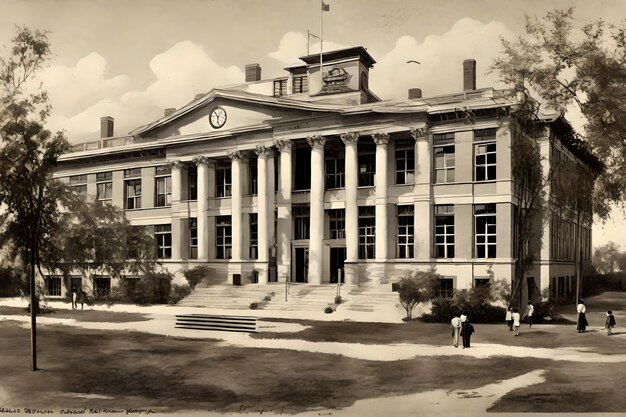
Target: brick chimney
169, 111
106, 127
415, 93
469, 75
253, 72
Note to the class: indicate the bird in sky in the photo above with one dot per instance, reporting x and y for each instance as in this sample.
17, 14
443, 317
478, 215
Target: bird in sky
413, 61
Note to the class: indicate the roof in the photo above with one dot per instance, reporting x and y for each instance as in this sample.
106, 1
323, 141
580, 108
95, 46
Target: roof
359, 51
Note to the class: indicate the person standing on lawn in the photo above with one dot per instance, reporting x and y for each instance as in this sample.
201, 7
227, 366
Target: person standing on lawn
466, 330
509, 318
610, 322
73, 295
455, 323
529, 313
581, 322
516, 321
82, 298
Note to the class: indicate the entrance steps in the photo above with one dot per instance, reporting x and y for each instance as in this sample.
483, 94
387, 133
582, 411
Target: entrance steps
213, 322
369, 299
226, 296
303, 297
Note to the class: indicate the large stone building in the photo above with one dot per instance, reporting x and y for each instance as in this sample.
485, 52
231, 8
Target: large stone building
314, 179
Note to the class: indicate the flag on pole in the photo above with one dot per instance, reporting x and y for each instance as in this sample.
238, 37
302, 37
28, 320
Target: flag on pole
325, 7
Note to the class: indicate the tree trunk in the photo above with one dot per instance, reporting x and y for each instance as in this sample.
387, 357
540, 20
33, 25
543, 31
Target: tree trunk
578, 257
34, 305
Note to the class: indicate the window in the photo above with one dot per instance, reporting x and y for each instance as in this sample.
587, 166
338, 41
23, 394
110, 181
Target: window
193, 238
163, 236
192, 180
443, 137
253, 183
301, 222
104, 187
482, 282
406, 220
133, 194
77, 283
485, 161
53, 286
485, 134
337, 223
302, 180
102, 286
367, 169
367, 233
405, 162
78, 179
485, 227
254, 236
280, 88
223, 179
446, 287
335, 173
444, 164
223, 237
132, 173
78, 184
132, 242
444, 231
300, 84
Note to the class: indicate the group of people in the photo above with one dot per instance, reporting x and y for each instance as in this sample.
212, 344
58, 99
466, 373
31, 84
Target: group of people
462, 327
78, 297
581, 320
514, 320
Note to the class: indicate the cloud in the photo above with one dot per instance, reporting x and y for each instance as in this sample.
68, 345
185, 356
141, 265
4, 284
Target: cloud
293, 45
441, 58
82, 94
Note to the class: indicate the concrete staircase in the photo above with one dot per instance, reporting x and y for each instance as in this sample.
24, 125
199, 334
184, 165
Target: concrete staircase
369, 299
213, 322
226, 296
303, 297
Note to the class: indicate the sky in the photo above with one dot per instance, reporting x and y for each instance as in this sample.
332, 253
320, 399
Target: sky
133, 59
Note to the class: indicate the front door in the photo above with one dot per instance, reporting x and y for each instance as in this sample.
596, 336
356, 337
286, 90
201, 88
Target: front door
302, 265
337, 258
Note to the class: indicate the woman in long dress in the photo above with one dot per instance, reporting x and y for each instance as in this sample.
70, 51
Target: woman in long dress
581, 323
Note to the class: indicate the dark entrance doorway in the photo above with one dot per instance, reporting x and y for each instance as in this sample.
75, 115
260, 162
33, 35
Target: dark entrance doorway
302, 265
337, 258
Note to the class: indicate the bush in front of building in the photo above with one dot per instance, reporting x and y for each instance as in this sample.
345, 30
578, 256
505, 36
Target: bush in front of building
329, 310
152, 288
196, 274
178, 292
417, 287
338, 299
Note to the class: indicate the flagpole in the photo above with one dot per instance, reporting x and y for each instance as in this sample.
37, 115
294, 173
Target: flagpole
308, 38
321, 45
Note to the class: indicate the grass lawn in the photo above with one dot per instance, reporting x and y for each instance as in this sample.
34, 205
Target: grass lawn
80, 315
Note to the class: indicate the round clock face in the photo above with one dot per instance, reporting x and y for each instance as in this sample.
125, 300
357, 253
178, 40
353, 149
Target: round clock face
217, 117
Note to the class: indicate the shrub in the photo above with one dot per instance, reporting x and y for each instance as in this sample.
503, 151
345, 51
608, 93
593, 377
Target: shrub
179, 292
153, 288
338, 299
418, 287
329, 310
196, 274
254, 305
267, 298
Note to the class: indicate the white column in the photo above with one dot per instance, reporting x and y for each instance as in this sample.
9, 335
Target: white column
262, 212
177, 223
382, 234
203, 205
423, 200
236, 200
316, 238
284, 210
352, 210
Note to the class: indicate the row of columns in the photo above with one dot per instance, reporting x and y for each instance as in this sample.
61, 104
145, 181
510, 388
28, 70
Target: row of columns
284, 204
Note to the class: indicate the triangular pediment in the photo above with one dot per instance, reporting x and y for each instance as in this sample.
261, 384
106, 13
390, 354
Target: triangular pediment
228, 110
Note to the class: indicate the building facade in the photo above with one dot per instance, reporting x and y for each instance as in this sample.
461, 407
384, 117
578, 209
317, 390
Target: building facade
311, 178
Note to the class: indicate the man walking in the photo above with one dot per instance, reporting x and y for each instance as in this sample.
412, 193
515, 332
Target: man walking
455, 324
529, 313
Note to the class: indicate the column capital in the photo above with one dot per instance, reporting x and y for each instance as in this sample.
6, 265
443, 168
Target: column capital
350, 137
201, 160
283, 144
262, 151
235, 155
419, 132
316, 141
381, 138
175, 164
